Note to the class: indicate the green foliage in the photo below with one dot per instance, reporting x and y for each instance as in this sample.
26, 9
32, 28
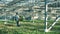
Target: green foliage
36, 21
27, 27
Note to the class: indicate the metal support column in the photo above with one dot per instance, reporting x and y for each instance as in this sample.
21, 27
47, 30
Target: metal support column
45, 21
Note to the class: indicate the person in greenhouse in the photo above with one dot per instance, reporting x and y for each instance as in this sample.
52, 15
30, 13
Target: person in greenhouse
17, 19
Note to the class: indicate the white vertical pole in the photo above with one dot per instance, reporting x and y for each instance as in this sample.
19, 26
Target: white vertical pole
46, 17
46, 29
5, 18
